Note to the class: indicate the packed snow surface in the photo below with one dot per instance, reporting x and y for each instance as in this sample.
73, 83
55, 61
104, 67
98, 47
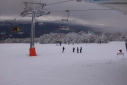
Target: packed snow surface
96, 65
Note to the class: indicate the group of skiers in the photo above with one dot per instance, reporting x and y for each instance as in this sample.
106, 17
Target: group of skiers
78, 50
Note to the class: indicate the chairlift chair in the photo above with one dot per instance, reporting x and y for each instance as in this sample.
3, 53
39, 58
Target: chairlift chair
17, 30
21, 31
64, 28
65, 22
64, 25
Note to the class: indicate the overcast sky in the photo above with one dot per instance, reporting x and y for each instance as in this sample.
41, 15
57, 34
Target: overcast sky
12, 8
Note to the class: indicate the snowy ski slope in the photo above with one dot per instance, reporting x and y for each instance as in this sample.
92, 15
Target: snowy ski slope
96, 65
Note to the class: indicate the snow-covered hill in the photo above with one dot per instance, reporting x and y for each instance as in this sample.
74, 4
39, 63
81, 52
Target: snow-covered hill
96, 65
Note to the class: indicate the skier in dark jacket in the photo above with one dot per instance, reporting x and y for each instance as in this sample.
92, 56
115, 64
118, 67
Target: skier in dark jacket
120, 51
73, 49
126, 45
63, 49
77, 50
80, 49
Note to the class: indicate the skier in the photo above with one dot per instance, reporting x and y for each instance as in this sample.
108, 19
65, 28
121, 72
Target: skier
73, 49
120, 51
80, 49
63, 49
77, 50
126, 44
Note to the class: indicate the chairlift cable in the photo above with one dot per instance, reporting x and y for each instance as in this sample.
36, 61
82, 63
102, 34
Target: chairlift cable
83, 10
59, 2
91, 9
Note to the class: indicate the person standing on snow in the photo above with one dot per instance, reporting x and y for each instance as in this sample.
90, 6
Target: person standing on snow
80, 49
120, 51
77, 50
73, 49
63, 49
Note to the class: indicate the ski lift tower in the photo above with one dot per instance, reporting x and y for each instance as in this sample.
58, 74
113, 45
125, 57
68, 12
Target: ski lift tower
36, 10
